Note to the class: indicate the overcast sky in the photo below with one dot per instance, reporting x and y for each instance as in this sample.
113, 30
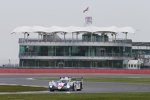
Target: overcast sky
14, 13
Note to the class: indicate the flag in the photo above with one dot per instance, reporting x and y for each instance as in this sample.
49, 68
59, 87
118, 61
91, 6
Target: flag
86, 10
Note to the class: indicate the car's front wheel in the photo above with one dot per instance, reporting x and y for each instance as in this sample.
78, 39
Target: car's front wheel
51, 89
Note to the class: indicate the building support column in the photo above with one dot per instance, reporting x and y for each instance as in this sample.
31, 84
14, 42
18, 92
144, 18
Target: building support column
72, 36
115, 36
64, 51
69, 51
89, 51
55, 51
65, 36
91, 36
77, 35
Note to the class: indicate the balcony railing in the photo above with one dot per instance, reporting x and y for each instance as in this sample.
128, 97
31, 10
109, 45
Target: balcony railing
23, 40
97, 55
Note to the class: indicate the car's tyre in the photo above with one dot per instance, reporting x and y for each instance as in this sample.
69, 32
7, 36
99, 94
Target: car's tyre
74, 87
80, 87
51, 89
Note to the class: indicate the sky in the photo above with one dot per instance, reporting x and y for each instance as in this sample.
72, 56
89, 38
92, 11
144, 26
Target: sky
121, 13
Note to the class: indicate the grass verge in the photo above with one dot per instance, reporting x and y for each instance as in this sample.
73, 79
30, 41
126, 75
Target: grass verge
18, 88
124, 80
101, 79
86, 96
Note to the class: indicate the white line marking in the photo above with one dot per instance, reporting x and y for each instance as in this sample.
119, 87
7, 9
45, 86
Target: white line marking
68, 92
134, 77
23, 85
29, 78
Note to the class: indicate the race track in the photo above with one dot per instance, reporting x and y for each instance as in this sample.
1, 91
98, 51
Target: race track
88, 87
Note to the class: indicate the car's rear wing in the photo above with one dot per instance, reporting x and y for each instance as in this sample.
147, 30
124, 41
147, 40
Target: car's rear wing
77, 79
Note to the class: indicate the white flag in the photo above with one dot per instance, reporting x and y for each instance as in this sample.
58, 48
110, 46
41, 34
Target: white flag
86, 10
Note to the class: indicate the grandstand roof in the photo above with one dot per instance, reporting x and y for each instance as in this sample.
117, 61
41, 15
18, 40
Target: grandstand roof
38, 29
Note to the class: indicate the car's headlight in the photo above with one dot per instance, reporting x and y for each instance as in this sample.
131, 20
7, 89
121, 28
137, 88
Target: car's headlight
50, 86
68, 86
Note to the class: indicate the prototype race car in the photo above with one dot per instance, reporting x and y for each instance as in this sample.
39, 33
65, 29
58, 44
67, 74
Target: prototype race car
66, 83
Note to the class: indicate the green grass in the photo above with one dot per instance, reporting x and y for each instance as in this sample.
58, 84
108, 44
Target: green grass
86, 96
18, 88
101, 79
124, 80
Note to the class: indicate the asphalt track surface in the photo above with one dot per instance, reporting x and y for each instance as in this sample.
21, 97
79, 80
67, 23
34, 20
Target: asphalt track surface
88, 87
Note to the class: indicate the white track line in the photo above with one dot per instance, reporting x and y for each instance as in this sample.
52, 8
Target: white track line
22, 85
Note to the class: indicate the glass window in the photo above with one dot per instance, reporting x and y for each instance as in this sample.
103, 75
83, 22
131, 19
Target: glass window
134, 65
124, 65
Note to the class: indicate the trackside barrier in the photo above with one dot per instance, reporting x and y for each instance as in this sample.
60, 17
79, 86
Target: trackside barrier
72, 71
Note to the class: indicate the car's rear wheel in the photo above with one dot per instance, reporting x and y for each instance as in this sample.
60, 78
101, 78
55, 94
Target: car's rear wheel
51, 89
80, 87
74, 87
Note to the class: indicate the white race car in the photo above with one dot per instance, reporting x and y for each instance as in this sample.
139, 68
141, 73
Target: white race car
66, 83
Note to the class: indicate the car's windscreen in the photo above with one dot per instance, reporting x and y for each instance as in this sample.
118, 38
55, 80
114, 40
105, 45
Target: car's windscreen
65, 81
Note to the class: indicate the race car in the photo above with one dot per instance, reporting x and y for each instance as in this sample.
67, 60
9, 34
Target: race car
66, 83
